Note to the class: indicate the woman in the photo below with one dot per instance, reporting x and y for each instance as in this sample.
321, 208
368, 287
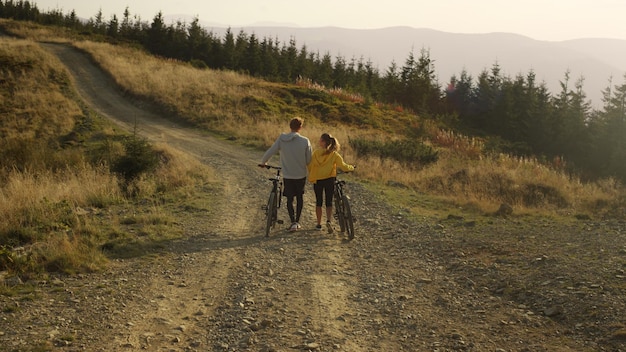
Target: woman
322, 173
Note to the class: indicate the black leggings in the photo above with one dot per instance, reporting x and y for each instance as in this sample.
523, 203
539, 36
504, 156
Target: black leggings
324, 187
294, 188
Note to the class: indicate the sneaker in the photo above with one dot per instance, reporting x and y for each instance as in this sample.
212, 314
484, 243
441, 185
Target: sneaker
295, 227
318, 227
329, 227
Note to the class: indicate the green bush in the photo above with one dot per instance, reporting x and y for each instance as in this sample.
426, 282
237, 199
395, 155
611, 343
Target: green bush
14, 263
198, 64
138, 158
408, 151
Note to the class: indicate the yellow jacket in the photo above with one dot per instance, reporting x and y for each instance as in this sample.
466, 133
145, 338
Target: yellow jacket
323, 166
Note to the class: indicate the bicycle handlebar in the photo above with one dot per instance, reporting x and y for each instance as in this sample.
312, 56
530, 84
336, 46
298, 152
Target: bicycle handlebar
270, 166
339, 171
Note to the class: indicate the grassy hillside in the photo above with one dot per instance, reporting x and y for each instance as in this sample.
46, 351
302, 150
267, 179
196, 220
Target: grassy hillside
64, 203
61, 200
393, 145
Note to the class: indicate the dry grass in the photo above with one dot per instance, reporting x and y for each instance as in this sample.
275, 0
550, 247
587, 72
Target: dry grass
26, 197
483, 185
464, 175
205, 97
36, 111
70, 254
34, 105
178, 173
471, 148
43, 210
338, 92
37, 32
57, 207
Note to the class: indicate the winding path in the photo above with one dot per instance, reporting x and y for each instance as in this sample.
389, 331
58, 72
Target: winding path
226, 283
401, 285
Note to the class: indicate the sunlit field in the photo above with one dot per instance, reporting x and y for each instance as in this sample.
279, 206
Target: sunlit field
59, 199
463, 175
57, 152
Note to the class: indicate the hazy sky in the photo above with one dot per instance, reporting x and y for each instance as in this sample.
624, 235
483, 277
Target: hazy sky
538, 19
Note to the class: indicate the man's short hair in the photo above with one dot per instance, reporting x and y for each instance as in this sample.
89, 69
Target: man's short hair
296, 123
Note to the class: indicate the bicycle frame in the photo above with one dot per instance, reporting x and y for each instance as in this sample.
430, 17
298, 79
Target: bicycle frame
343, 212
274, 200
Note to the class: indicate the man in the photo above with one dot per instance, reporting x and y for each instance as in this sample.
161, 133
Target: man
295, 154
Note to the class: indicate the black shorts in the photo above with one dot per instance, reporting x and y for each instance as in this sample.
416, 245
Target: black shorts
294, 187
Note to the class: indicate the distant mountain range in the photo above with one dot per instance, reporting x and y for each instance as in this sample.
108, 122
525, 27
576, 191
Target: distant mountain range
595, 59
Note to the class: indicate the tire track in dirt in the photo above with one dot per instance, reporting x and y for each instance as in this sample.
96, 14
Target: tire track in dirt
332, 285
289, 295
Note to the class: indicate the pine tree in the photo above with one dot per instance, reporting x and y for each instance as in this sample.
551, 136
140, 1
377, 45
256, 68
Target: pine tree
156, 40
251, 60
227, 58
610, 128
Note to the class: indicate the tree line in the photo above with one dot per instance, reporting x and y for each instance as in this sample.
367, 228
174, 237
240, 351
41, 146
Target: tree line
518, 114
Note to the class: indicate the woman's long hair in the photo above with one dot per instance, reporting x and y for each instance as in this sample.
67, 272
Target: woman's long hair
332, 145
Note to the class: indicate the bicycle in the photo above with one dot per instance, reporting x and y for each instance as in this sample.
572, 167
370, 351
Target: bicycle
274, 200
343, 212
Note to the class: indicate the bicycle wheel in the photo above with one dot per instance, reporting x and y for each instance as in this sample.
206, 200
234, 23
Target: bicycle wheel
340, 213
349, 221
270, 213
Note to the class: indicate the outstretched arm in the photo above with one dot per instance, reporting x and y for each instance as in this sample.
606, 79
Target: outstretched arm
270, 152
342, 165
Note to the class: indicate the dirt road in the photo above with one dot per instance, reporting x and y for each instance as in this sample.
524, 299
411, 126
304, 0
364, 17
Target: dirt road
225, 287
